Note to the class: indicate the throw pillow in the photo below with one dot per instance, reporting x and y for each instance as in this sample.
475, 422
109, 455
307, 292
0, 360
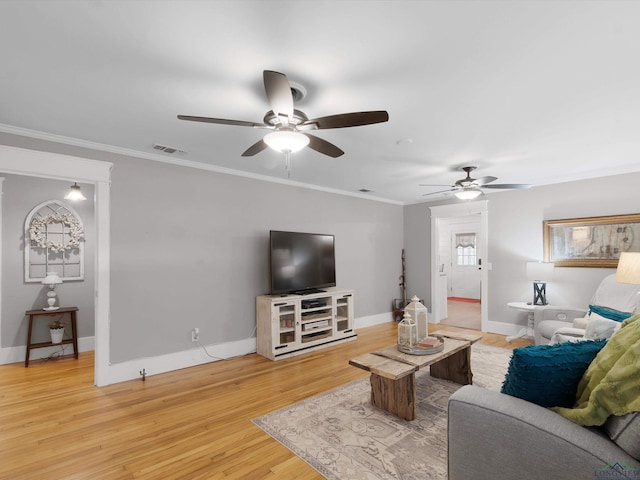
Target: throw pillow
599, 328
548, 375
610, 313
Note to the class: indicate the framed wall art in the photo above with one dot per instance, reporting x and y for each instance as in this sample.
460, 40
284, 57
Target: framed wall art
591, 241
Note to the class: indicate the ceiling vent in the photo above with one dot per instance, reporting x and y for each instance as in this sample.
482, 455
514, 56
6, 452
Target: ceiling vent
169, 150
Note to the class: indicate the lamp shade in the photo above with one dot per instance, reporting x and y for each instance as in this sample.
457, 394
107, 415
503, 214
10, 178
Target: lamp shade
628, 268
468, 193
51, 279
539, 270
286, 140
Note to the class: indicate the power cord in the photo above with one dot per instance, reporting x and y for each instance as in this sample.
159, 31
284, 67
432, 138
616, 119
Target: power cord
204, 348
55, 355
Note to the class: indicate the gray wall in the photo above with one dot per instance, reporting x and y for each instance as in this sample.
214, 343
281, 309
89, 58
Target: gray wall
192, 251
515, 237
20, 195
189, 248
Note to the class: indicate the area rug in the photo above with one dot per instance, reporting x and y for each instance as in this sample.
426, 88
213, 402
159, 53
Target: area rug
342, 436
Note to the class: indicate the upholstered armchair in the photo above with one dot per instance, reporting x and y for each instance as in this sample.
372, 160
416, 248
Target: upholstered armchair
611, 294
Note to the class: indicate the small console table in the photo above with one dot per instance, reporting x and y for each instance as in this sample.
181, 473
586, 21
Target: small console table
525, 332
33, 314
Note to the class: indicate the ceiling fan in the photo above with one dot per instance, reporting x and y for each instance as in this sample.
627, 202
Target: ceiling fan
290, 126
469, 188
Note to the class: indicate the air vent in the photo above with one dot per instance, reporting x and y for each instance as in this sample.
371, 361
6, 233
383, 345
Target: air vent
365, 190
169, 150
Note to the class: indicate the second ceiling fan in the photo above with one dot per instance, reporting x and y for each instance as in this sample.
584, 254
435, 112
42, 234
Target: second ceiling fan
290, 126
469, 188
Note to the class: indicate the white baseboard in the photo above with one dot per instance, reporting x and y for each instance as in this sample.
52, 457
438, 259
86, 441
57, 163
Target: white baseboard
17, 354
129, 370
371, 320
503, 328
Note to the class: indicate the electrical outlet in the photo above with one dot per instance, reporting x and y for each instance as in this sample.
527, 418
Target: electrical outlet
195, 334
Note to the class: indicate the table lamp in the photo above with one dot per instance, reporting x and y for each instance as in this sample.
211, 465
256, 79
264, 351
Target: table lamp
52, 280
539, 272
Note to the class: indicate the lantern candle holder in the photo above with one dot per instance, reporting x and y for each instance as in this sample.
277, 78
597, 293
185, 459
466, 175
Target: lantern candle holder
419, 313
407, 333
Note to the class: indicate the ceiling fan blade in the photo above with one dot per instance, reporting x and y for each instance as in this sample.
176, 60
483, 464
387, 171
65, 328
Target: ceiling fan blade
222, 121
279, 94
484, 180
440, 191
324, 147
509, 185
255, 148
354, 119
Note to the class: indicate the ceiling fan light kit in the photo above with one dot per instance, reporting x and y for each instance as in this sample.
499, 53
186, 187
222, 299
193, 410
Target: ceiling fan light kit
287, 122
468, 193
286, 140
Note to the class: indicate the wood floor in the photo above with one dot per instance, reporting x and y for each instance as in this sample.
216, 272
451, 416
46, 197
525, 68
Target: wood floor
463, 314
189, 424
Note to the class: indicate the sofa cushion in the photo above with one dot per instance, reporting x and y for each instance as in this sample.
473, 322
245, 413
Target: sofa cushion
625, 432
548, 375
610, 313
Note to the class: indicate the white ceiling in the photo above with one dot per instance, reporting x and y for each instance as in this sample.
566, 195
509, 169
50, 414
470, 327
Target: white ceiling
533, 92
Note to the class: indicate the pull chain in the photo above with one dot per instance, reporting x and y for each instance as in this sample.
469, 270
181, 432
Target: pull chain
287, 162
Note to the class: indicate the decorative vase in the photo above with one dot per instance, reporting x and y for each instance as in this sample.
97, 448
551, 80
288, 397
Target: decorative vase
56, 334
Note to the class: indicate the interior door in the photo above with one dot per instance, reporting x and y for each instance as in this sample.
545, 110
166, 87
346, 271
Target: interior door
465, 273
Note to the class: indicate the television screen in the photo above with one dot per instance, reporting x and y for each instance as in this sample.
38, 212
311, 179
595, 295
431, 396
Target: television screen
301, 262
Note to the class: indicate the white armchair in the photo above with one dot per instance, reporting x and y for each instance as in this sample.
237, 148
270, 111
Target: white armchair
619, 296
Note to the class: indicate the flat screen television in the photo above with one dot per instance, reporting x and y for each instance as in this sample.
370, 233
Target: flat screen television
301, 262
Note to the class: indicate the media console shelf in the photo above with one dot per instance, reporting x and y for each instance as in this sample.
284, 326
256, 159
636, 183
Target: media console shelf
293, 324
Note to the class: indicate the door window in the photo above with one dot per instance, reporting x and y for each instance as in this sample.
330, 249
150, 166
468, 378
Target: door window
466, 254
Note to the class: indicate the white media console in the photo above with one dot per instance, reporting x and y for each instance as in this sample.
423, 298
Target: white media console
292, 324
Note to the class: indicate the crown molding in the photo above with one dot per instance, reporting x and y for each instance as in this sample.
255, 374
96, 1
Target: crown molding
49, 137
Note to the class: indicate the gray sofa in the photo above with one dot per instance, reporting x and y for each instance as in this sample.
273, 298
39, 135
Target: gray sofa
496, 436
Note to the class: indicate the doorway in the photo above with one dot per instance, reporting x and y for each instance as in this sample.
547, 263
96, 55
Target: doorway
22, 161
459, 267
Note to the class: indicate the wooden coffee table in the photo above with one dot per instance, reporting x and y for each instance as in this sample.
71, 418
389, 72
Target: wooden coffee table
393, 379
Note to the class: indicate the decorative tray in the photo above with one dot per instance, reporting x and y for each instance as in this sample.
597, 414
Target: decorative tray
423, 350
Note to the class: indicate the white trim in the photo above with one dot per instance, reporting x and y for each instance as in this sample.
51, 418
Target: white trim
17, 354
507, 329
182, 162
102, 271
21, 161
1, 195
371, 320
129, 370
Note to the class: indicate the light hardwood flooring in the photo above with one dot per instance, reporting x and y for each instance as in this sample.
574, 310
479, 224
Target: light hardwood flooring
188, 424
463, 314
